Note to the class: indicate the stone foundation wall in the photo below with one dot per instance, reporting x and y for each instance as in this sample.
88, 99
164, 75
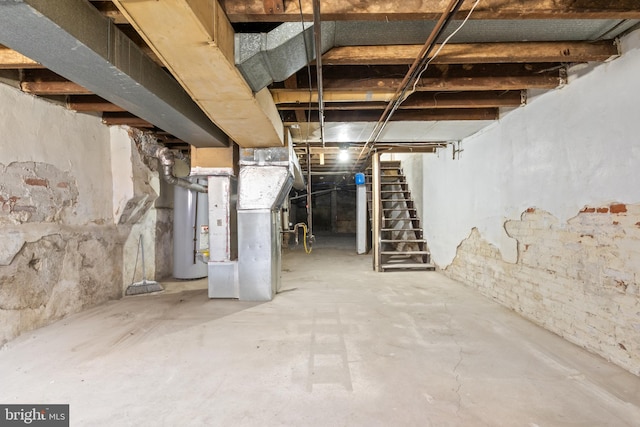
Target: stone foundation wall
50, 266
75, 197
58, 273
579, 279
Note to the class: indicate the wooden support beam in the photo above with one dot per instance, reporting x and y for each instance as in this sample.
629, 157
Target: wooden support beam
343, 10
61, 87
411, 115
10, 59
108, 9
370, 94
87, 103
273, 6
425, 100
196, 43
125, 119
475, 53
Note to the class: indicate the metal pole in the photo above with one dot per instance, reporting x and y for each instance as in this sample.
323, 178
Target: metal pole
334, 210
376, 211
317, 32
309, 212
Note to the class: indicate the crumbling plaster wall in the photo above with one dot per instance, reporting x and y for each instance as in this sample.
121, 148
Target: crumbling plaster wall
63, 243
540, 210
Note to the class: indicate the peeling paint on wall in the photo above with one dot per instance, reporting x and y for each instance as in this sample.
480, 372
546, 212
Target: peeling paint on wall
579, 278
35, 192
62, 248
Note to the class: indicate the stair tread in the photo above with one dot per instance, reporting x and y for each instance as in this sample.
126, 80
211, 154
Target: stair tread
402, 219
403, 241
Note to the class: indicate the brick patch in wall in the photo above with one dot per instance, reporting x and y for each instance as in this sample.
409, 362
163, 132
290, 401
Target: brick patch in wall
35, 192
579, 279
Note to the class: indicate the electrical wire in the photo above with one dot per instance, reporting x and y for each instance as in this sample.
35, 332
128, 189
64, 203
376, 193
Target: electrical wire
304, 239
413, 89
445, 18
404, 95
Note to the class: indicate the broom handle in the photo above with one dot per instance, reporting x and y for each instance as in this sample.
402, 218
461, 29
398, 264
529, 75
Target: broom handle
144, 271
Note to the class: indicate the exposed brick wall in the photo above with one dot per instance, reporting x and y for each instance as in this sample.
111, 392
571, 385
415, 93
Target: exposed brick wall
579, 279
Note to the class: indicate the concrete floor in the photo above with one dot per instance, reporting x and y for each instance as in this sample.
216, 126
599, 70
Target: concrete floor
339, 346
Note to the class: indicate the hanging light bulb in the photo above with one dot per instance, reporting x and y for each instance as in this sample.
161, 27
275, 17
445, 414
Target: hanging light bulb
343, 154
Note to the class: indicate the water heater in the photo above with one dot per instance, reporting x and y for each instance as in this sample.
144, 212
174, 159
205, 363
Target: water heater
190, 221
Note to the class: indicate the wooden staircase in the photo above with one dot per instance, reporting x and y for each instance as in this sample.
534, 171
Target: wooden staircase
401, 242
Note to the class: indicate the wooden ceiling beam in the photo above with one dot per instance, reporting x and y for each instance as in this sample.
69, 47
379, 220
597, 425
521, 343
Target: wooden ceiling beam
196, 43
60, 87
87, 103
344, 10
409, 115
360, 94
128, 119
108, 9
441, 76
10, 59
475, 53
425, 100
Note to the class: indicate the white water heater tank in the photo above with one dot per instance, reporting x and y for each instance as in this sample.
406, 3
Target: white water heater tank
190, 217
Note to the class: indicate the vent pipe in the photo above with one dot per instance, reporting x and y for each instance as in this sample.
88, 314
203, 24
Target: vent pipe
151, 148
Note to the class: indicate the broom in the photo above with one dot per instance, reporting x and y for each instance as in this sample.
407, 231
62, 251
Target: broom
145, 286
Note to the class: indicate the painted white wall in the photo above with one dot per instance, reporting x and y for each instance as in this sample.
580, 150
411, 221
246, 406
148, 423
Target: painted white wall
572, 147
34, 130
121, 152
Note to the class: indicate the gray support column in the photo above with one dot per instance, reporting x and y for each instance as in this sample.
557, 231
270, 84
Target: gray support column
361, 219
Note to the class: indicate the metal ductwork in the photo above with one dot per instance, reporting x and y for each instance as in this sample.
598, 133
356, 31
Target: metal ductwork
73, 39
264, 58
264, 184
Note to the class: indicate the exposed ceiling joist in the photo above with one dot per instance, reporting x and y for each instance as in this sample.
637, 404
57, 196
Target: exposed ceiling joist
410, 115
56, 87
125, 119
91, 103
372, 94
427, 100
10, 59
335, 10
108, 9
475, 53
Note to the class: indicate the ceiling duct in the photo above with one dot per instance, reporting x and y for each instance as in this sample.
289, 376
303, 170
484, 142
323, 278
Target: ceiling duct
264, 58
71, 38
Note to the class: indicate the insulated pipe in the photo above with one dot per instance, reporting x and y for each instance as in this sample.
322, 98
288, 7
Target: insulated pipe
167, 161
